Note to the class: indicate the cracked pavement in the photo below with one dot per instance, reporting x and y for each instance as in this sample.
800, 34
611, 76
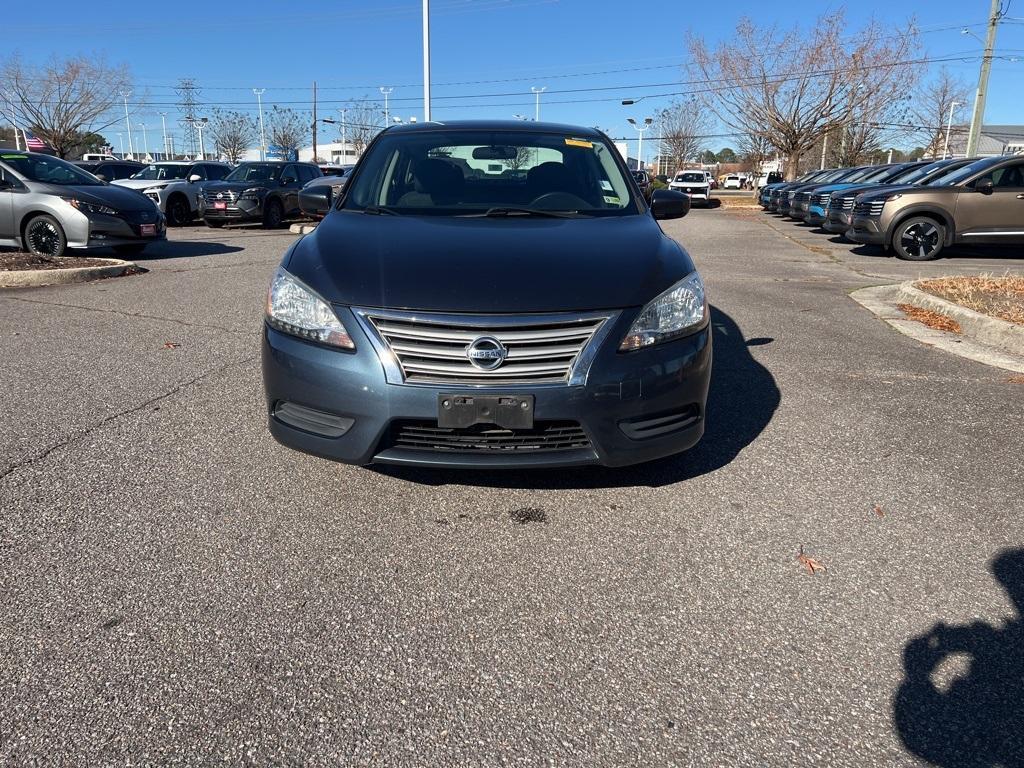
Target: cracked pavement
177, 589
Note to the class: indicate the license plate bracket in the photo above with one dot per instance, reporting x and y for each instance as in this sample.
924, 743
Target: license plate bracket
458, 411
218, 206
147, 230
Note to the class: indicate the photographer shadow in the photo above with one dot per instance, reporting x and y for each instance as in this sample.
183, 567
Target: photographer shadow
975, 720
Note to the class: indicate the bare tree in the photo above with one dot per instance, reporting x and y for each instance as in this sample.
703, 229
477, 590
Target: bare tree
64, 100
523, 156
793, 88
363, 120
233, 133
931, 111
288, 129
682, 128
754, 150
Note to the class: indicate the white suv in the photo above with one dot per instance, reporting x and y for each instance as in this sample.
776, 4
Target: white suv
693, 183
175, 186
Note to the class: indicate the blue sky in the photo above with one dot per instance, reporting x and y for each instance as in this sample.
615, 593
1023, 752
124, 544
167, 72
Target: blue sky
479, 47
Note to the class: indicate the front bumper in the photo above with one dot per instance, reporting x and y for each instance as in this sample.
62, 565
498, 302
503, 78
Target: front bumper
631, 392
694, 193
815, 215
866, 230
837, 222
97, 230
243, 209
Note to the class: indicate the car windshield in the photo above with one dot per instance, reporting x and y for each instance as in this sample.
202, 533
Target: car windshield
49, 170
501, 172
162, 172
692, 178
964, 172
915, 173
255, 172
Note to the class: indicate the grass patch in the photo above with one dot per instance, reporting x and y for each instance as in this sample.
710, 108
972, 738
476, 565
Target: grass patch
933, 320
1001, 297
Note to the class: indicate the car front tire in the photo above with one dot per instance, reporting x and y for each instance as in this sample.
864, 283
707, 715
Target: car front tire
44, 237
273, 214
178, 212
919, 238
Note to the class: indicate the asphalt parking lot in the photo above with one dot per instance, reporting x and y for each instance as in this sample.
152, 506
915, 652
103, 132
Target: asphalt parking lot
176, 588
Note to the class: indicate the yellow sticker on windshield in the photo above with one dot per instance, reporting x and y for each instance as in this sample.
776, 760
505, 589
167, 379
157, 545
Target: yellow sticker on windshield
579, 143
13, 157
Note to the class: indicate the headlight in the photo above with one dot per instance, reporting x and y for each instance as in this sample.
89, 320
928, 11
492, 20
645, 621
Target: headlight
154, 190
85, 207
294, 308
679, 310
896, 196
253, 193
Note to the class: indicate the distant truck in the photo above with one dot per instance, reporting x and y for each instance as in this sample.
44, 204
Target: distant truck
96, 157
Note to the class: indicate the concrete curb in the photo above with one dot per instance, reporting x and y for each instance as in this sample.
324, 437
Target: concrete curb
984, 328
301, 229
881, 300
27, 278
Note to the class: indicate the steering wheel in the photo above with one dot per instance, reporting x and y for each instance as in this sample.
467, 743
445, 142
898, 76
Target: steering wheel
560, 201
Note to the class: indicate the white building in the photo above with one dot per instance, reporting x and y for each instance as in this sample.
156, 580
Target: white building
333, 152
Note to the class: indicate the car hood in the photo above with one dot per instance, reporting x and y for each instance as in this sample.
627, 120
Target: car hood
903, 189
143, 183
488, 265
119, 198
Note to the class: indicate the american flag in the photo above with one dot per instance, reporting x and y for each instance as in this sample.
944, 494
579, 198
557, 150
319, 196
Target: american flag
33, 142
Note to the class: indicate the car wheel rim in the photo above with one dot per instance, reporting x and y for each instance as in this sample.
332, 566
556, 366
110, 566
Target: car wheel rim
43, 238
178, 213
920, 239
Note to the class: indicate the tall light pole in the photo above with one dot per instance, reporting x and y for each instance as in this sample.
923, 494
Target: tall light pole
986, 66
536, 109
344, 134
426, 61
199, 126
120, 142
640, 140
949, 127
263, 136
145, 139
386, 92
163, 123
128, 122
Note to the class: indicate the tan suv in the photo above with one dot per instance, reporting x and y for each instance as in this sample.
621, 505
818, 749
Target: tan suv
983, 202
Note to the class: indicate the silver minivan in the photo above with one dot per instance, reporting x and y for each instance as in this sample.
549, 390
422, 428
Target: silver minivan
48, 205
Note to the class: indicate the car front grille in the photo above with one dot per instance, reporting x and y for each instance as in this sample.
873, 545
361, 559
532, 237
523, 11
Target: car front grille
487, 438
869, 208
821, 200
800, 198
842, 203
433, 349
226, 196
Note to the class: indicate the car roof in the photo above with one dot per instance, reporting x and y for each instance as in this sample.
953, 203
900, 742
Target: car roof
520, 126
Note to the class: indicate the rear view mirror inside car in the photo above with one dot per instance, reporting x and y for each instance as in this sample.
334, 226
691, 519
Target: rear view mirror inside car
495, 153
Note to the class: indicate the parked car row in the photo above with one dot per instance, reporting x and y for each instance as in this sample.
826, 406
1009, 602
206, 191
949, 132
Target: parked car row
915, 210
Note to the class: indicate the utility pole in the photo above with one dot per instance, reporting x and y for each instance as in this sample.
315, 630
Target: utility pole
986, 66
386, 92
128, 122
263, 136
344, 136
314, 121
536, 110
163, 122
949, 127
426, 61
824, 149
120, 141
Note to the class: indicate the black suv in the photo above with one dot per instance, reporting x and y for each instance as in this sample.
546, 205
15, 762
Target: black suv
111, 170
266, 191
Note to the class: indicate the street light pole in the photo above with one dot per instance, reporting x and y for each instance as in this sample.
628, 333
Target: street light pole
426, 61
995, 14
263, 136
949, 127
202, 147
145, 139
128, 122
386, 92
640, 140
536, 110
344, 135
163, 122
120, 142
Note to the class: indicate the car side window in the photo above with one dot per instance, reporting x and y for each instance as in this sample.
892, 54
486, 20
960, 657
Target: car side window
306, 174
289, 174
216, 172
197, 170
1010, 176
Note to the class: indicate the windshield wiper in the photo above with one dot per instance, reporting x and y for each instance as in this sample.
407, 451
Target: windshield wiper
511, 211
378, 210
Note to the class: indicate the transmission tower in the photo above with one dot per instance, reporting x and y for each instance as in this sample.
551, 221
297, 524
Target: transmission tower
188, 106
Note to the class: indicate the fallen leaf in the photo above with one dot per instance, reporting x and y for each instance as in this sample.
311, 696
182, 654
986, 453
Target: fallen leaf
1011, 380
171, 345
812, 565
879, 511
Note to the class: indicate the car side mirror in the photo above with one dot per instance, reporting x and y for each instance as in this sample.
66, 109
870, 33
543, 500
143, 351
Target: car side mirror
101, 176
315, 201
194, 178
669, 204
985, 186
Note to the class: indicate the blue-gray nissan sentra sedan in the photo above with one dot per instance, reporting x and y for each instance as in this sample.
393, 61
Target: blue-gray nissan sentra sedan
488, 294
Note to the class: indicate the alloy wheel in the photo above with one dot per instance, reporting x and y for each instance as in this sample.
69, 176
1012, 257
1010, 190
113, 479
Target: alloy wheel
43, 238
920, 239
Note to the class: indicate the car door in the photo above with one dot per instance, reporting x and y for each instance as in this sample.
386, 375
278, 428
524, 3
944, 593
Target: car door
7, 187
995, 215
290, 185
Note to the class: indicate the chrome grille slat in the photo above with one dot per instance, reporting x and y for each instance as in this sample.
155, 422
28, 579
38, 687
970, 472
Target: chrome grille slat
432, 349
